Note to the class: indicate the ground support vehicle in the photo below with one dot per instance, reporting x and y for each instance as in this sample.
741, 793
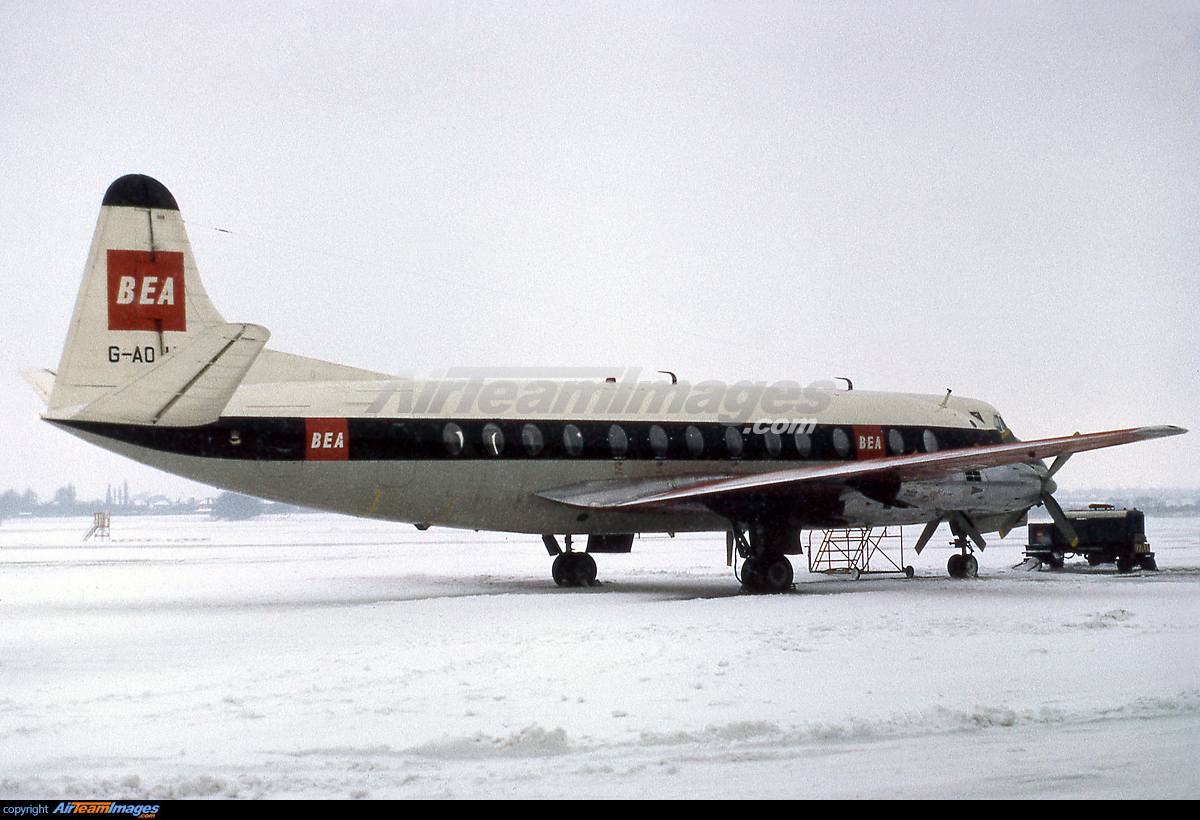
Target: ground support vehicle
1106, 535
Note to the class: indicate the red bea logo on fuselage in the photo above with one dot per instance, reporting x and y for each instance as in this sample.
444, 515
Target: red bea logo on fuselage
870, 442
327, 440
145, 291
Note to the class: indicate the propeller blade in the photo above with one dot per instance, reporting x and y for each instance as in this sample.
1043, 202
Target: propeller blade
926, 534
1060, 519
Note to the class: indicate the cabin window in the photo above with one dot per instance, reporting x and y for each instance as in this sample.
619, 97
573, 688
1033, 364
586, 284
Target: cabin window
733, 442
618, 441
930, 441
694, 440
531, 439
841, 442
452, 436
493, 440
895, 442
659, 441
773, 442
572, 440
804, 445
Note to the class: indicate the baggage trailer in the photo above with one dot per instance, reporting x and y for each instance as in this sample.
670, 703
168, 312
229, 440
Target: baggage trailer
1106, 535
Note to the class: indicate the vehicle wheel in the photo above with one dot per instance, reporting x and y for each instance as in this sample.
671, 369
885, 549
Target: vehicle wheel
1124, 564
909, 572
1147, 563
970, 566
954, 566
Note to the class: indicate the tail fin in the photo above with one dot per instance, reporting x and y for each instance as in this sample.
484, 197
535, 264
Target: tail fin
143, 325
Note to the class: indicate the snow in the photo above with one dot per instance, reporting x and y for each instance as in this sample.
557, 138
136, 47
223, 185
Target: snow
317, 656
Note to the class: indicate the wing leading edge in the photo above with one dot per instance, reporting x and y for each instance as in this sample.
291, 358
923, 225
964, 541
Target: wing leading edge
625, 494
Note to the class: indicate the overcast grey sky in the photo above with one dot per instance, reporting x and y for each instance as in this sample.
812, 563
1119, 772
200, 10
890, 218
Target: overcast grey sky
999, 198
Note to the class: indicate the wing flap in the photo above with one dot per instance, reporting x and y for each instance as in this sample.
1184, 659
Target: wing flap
631, 493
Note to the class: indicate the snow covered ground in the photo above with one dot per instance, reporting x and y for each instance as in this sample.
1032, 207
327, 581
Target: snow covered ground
319, 656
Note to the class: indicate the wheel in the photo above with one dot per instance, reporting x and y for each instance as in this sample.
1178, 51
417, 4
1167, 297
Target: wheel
970, 566
559, 569
777, 574
1147, 563
574, 569
585, 570
954, 565
1124, 564
909, 572
752, 573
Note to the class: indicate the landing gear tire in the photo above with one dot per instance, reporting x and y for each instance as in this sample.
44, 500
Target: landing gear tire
962, 566
772, 573
574, 569
778, 574
752, 574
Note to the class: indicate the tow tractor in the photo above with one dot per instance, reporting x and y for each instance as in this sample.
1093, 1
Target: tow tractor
1106, 535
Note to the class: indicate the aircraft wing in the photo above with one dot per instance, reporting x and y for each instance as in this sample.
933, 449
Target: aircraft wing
633, 493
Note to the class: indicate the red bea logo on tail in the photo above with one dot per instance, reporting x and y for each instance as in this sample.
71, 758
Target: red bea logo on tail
145, 291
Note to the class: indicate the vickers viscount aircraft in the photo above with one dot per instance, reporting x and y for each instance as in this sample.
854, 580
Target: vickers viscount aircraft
152, 371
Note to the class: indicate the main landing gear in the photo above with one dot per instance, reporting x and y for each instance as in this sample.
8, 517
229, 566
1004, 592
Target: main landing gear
765, 567
570, 569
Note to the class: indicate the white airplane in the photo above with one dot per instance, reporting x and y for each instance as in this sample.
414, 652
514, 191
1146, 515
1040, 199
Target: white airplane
152, 371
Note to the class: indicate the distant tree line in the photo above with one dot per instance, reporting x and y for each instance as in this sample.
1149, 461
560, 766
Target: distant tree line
119, 501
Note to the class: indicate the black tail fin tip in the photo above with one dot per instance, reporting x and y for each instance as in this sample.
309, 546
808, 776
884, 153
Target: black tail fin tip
140, 191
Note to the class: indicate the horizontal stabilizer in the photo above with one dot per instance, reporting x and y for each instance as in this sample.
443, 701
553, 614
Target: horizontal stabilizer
41, 380
190, 387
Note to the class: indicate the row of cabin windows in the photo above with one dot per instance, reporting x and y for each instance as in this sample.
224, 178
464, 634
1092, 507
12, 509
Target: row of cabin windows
533, 443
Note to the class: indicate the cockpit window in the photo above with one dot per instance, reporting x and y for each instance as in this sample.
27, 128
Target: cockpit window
999, 422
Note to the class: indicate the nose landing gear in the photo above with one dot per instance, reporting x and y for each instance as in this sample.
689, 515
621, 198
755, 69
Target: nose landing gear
962, 564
